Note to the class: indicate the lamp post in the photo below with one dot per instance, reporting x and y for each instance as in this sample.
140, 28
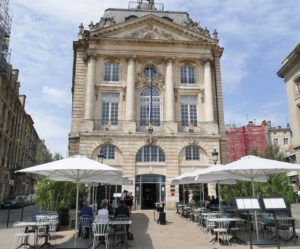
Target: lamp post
215, 156
100, 156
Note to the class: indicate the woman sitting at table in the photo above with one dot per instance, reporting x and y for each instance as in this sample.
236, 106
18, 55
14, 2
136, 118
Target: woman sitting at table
103, 212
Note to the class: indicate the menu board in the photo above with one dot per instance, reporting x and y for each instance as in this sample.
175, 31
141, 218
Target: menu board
247, 204
274, 203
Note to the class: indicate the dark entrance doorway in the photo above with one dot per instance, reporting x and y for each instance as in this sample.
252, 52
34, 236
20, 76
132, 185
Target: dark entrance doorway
149, 195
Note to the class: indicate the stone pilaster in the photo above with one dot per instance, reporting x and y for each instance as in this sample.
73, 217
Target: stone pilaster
170, 100
130, 93
90, 89
209, 107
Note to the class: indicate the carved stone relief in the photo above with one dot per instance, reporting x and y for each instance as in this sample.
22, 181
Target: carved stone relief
151, 33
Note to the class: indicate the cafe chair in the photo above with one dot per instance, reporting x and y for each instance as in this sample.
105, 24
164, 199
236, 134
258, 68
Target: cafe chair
120, 232
72, 217
21, 237
85, 223
100, 230
42, 232
222, 228
284, 224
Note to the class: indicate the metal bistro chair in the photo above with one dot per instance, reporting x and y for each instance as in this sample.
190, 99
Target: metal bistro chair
53, 220
21, 237
284, 224
222, 228
85, 223
100, 230
42, 231
120, 232
210, 225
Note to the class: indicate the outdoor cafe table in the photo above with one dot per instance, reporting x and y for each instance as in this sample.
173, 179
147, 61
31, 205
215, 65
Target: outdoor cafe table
232, 219
34, 225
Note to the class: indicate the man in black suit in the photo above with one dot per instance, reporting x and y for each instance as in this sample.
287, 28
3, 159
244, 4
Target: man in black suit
122, 210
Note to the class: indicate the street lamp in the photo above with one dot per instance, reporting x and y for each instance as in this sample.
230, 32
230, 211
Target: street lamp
100, 156
215, 156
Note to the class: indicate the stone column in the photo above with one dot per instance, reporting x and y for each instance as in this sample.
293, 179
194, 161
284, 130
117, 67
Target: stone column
130, 93
170, 100
209, 107
90, 88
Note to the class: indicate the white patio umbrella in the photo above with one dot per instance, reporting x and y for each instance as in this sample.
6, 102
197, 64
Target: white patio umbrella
254, 168
77, 169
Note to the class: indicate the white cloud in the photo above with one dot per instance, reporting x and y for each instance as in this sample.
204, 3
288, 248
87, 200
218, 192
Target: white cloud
57, 97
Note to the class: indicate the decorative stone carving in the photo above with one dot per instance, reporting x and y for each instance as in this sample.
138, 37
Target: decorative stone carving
81, 30
215, 34
195, 26
192, 140
143, 82
151, 140
151, 33
106, 139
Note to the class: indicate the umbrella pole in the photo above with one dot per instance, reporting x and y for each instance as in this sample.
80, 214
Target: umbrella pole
255, 214
219, 197
76, 221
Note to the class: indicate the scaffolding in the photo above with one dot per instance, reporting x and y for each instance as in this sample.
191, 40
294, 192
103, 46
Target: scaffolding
5, 27
146, 5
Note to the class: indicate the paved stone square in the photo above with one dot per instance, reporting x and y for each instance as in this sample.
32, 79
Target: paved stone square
176, 234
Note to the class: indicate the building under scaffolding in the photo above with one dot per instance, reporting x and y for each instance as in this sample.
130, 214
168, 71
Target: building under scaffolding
5, 24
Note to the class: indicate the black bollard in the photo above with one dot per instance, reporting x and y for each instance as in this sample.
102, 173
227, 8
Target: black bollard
22, 212
8, 214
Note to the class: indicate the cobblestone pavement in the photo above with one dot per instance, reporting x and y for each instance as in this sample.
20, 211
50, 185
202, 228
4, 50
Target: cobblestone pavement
176, 234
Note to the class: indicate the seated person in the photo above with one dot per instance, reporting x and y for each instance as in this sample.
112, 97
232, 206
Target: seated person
102, 212
85, 211
122, 210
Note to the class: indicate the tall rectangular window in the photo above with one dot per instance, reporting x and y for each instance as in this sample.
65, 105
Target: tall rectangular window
285, 140
110, 109
188, 106
111, 72
187, 75
275, 141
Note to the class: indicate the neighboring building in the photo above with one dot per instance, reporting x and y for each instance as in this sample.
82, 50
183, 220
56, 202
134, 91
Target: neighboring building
282, 137
241, 141
18, 138
147, 93
290, 72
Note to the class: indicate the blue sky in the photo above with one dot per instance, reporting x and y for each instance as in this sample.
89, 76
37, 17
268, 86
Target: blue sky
256, 35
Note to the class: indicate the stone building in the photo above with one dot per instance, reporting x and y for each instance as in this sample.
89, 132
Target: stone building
290, 72
18, 138
147, 94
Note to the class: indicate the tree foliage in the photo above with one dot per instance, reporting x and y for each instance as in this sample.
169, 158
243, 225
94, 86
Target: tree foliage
277, 185
52, 195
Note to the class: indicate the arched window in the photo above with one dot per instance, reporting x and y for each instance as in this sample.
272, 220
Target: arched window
192, 153
298, 86
131, 17
150, 107
150, 153
108, 151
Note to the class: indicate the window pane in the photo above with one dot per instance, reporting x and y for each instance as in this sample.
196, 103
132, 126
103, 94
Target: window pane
108, 151
195, 150
154, 157
188, 153
184, 115
114, 113
183, 75
191, 75
146, 153
115, 74
193, 115
105, 113
107, 72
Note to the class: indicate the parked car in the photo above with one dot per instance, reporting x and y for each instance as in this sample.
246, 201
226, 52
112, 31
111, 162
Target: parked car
29, 199
16, 202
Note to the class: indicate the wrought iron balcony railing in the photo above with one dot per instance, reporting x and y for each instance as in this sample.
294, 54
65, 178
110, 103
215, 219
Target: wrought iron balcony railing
205, 128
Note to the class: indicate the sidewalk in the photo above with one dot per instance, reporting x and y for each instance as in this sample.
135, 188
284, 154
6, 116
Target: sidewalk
178, 233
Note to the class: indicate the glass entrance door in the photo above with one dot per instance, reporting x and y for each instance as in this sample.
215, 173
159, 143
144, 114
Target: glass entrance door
149, 189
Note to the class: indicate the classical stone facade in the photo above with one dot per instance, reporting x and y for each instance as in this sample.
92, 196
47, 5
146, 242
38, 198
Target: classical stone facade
18, 137
147, 93
290, 72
